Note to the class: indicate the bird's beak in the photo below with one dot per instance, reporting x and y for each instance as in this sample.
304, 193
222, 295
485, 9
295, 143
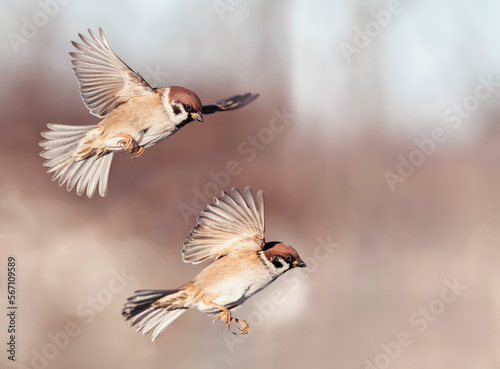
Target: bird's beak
299, 263
197, 116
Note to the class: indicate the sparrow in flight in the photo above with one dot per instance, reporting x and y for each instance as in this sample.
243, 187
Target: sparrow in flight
230, 233
135, 116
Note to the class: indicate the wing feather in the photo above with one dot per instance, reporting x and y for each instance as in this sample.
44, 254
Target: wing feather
105, 80
233, 222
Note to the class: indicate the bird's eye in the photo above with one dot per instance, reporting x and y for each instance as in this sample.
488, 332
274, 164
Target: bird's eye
288, 258
188, 107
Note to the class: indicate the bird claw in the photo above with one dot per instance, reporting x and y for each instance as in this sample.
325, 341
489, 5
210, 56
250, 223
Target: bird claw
225, 316
244, 327
138, 151
127, 142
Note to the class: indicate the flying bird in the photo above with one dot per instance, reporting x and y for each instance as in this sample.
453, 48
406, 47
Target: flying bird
230, 233
135, 116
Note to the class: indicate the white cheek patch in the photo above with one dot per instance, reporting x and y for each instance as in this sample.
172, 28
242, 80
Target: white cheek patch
175, 112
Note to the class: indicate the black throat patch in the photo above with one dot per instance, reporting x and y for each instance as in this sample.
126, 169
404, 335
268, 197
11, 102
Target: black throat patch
277, 263
176, 110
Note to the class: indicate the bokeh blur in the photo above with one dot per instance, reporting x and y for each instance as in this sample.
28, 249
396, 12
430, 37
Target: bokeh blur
375, 138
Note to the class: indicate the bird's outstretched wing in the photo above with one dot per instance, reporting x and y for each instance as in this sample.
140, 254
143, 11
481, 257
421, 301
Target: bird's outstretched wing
231, 223
234, 102
105, 80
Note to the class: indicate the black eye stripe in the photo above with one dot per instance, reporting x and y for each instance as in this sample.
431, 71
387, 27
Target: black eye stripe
277, 263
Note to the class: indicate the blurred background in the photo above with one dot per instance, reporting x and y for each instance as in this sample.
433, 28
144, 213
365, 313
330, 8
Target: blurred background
375, 139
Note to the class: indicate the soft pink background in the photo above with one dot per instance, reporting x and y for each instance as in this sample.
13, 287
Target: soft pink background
323, 177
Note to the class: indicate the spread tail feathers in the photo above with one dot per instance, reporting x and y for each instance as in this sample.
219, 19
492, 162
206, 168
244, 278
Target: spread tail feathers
60, 150
154, 309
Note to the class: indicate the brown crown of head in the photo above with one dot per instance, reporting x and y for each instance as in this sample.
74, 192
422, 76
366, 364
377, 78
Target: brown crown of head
185, 97
273, 249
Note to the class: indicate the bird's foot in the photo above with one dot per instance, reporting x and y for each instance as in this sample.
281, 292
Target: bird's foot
138, 151
127, 142
225, 316
244, 327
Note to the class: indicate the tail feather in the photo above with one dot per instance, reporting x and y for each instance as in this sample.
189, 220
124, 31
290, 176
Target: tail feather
56, 157
93, 163
166, 320
62, 131
96, 174
60, 143
143, 311
60, 150
69, 173
55, 152
73, 174
151, 318
103, 178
